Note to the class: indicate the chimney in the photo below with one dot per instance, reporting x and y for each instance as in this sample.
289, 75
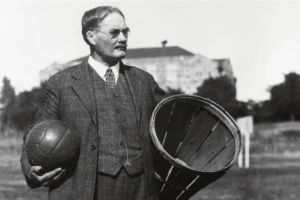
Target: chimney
164, 43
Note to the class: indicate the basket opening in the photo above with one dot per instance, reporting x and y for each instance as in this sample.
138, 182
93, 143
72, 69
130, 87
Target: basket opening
190, 130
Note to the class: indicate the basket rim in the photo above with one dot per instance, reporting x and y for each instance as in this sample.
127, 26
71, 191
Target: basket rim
219, 110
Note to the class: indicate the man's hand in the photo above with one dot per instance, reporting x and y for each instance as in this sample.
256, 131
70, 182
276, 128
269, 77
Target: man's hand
38, 176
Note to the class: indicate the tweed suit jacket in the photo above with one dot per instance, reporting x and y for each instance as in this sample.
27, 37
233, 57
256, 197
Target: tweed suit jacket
69, 97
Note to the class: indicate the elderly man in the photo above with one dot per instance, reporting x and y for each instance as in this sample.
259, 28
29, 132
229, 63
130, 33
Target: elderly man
109, 104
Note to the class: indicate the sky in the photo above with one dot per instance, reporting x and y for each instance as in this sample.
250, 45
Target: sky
260, 37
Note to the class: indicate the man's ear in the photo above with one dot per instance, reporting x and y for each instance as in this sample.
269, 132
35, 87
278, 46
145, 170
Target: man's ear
91, 37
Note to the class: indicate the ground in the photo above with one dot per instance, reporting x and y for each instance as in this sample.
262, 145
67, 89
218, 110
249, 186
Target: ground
270, 177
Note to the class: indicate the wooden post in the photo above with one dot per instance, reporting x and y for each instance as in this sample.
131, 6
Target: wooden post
246, 126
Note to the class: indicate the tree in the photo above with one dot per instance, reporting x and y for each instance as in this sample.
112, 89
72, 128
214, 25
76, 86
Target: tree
221, 90
285, 98
27, 105
170, 91
8, 101
261, 111
18, 111
8, 95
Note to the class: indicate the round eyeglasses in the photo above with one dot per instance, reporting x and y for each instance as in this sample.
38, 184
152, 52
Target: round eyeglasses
115, 32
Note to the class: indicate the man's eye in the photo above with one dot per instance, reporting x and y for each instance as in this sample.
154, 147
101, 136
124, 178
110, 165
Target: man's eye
126, 31
115, 32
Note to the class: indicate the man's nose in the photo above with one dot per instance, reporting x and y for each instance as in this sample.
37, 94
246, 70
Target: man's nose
122, 37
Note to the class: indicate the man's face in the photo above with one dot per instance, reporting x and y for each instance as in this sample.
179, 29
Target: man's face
111, 37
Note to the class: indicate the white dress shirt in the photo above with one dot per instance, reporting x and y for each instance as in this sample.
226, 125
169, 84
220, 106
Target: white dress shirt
101, 69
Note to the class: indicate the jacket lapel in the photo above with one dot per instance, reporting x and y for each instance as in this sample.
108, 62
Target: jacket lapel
135, 87
83, 88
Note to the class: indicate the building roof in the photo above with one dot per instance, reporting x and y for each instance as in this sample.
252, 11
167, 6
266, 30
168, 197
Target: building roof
157, 52
150, 52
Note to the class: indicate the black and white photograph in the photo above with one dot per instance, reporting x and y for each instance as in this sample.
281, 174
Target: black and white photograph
150, 100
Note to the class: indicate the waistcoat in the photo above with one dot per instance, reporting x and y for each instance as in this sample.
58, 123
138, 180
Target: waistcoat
119, 142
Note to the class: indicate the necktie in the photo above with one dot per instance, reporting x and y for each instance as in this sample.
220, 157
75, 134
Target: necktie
110, 78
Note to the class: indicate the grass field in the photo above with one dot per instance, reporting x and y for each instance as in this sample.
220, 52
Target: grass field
272, 177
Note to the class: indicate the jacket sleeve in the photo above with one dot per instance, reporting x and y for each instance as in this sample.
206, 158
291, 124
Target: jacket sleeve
48, 109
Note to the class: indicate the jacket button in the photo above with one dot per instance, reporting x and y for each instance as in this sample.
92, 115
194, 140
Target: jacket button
93, 147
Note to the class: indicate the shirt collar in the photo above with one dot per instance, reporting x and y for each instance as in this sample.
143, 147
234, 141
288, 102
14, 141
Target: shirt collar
101, 69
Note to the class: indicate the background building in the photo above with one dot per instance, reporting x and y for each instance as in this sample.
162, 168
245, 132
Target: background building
171, 66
